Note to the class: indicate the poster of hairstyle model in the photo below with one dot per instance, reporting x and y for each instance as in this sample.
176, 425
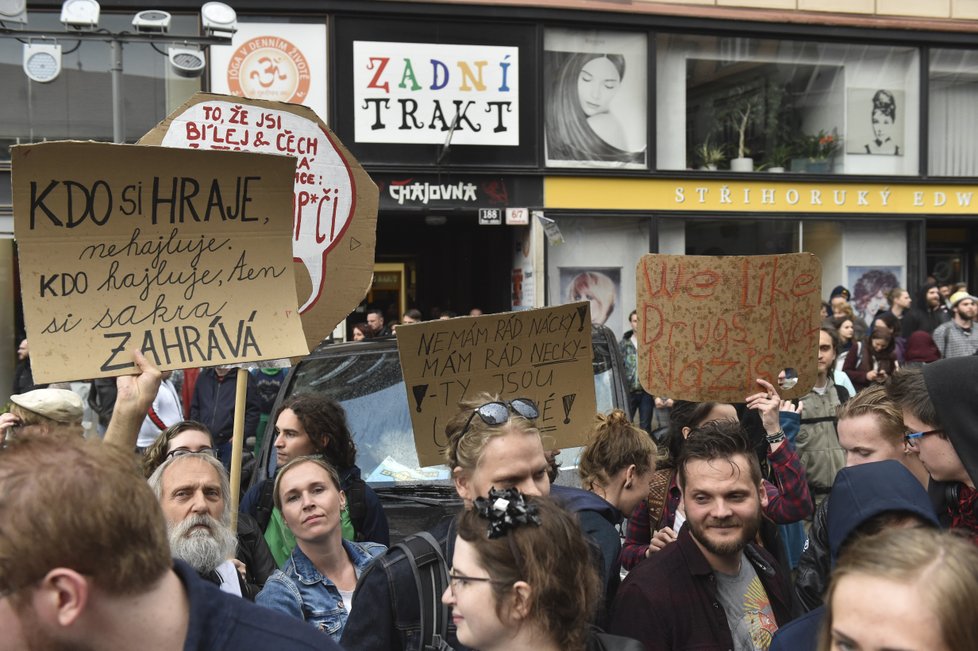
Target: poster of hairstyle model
596, 97
875, 121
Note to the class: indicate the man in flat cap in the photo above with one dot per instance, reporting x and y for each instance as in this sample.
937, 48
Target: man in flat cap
43, 412
955, 338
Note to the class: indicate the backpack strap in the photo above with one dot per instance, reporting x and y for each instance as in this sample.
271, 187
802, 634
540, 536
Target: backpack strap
356, 504
658, 490
263, 510
424, 555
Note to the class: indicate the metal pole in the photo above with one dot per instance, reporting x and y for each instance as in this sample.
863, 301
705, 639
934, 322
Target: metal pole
118, 108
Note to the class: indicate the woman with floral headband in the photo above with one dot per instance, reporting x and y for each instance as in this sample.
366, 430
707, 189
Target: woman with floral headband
521, 578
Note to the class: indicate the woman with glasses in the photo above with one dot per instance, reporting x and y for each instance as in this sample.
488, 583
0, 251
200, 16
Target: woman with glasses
180, 438
317, 581
521, 578
255, 561
492, 443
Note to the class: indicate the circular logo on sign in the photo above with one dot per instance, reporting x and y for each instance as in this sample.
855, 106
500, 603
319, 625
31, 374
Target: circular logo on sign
269, 67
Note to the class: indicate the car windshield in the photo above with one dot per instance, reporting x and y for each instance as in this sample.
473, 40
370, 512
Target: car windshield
369, 386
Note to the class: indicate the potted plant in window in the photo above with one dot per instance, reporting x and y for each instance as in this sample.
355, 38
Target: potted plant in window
744, 111
815, 153
779, 157
710, 155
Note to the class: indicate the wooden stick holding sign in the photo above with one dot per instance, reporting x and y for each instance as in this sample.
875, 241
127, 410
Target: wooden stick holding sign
544, 355
237, 441
709, 326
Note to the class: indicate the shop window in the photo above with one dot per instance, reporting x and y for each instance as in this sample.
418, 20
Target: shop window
78, 104
741, 237
596, 262
766, 105
953, 136
595, 99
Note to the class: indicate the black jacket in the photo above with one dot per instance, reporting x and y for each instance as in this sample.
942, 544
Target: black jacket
921, 317
254, 553
862, 497
213, 405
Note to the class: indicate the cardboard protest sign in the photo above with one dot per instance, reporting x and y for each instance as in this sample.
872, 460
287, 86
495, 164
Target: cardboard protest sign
183, 254
542, 354
709, 326
335, 202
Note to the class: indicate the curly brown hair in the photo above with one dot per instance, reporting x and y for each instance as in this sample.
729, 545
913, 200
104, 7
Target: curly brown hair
325, 423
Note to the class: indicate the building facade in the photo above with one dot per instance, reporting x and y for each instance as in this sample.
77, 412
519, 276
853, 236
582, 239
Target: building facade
529, 153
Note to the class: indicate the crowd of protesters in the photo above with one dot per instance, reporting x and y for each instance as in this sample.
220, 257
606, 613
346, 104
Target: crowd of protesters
846, 519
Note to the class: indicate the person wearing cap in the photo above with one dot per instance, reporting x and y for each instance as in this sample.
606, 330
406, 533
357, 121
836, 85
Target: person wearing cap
43, 412
955, 338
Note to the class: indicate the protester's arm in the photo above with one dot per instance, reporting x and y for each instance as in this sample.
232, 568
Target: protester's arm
814, 565
135, 395
790, 500
638, 534
940, 339
280, 594
851, 366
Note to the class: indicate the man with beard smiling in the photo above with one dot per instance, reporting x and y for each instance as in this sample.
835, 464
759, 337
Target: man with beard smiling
192, 490
714, 588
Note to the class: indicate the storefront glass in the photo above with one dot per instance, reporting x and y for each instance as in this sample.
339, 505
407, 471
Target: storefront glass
786, 105
953, 136
78, 103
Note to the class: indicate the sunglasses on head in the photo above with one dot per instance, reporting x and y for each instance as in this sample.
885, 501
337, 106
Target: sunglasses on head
496, 413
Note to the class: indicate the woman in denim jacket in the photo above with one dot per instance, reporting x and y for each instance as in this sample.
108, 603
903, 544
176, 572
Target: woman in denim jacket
316, 583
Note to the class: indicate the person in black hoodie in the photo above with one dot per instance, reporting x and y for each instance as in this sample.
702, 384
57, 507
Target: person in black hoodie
926, 313
865, 500
940, 410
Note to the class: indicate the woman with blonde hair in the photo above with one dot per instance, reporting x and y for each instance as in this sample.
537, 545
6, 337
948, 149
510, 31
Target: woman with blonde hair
903, 589
316, 582
521, 579
490, 443
616, 466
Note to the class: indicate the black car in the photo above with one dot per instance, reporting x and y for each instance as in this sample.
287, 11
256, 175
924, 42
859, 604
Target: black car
365, 378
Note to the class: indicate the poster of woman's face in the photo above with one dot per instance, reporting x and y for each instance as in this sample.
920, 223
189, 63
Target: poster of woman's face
601, 286
870, 285
595, 98
875, 121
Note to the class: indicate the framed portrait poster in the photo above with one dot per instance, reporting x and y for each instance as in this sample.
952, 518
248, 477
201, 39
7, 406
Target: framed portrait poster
595, 99
874, 119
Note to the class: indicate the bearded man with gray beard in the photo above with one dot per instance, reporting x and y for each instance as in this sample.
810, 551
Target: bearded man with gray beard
193, 492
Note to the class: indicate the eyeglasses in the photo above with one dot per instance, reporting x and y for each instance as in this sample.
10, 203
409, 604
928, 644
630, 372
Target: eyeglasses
179, 452
497, 413
911, 437
456, 581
